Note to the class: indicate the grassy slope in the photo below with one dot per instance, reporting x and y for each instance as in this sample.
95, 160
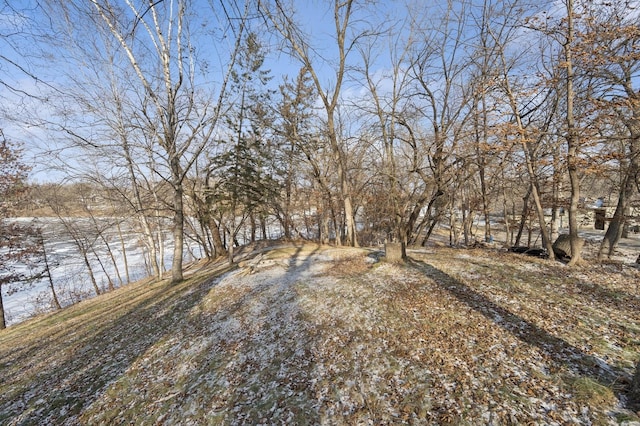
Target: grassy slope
315, 335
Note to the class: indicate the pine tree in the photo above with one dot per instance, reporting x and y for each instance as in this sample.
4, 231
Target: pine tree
296, 142
242, 181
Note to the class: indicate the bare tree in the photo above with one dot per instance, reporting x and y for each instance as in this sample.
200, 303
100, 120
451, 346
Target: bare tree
528, 132
606, 52
19, 243
157, 41
301, 47
386, 107
490, 17
572, 135
439, 66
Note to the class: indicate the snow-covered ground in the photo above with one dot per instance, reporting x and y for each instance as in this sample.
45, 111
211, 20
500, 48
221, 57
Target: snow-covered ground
72, 282
319, 335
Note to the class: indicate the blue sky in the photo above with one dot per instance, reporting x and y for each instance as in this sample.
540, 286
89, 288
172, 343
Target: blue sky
314, 16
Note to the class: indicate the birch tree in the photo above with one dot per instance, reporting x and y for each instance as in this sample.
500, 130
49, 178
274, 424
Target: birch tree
176, 112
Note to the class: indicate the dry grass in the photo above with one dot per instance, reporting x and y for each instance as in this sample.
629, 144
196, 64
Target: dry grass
303, 334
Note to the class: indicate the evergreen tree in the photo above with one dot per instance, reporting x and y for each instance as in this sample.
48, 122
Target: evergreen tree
295, 142
242, 181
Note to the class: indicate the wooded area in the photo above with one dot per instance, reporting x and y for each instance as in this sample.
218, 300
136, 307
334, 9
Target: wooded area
387, 121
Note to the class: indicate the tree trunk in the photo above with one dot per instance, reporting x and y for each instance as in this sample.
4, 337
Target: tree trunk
556, 192
178, 234
205, 241
45, 258
286, 211
230, 249
576, 247
544, 232
104, 270
90, 271
151, 245
572, 142
325, 240
54, 295
112, 258
124, 253
263, 227
453, 226
336, 225
350, 222
434, 222
616, 226
161, 250
254, 226
409, 236
505, 212
3, 323
218, 245
485, 205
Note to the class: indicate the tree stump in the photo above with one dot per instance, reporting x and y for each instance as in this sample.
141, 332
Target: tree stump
395, 252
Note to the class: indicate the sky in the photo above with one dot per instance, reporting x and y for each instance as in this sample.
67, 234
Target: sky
21, 116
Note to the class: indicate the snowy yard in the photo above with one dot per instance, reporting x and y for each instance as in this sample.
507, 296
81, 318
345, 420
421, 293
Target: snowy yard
319, 335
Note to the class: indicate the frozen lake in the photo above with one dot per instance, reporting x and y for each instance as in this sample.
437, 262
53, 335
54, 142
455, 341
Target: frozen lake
68, 269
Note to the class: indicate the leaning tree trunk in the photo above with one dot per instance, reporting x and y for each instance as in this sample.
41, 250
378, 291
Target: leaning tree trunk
47, 270
524, 215
218, 245
3, 324
92, 277
616, 226
546, 240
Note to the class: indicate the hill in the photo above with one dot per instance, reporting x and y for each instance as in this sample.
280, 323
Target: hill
305, 334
